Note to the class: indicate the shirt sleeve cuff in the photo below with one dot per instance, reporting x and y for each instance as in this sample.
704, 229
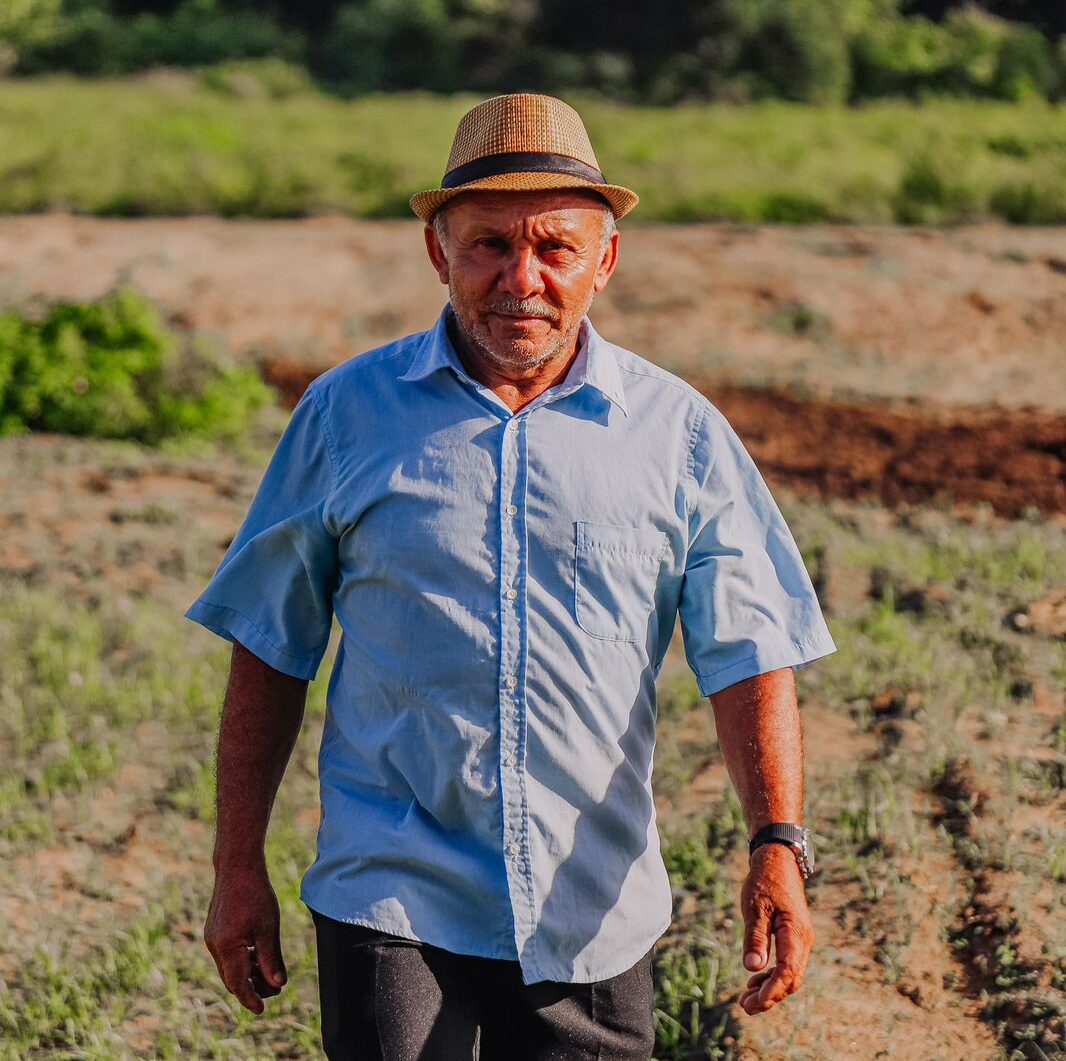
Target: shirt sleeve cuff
234, 626
794, 654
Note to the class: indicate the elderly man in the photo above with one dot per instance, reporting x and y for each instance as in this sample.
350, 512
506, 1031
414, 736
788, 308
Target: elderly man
506, 513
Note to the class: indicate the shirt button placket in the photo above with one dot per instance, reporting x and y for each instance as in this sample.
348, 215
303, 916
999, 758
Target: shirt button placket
512, 703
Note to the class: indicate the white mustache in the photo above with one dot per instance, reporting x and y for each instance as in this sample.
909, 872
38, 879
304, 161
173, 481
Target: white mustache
523, 308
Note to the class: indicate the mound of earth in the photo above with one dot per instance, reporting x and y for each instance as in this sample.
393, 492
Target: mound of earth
1013, 460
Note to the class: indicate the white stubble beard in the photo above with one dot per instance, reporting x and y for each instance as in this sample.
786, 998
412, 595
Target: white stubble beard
505, 362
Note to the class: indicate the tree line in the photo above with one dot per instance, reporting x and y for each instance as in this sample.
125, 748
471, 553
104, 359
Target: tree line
815, 51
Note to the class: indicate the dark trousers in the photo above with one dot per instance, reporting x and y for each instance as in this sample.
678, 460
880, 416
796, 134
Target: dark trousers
390, 999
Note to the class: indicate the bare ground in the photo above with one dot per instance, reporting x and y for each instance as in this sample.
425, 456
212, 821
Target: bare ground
972, 315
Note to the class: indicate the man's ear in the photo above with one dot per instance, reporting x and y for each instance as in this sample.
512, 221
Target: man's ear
607, 262
436, 253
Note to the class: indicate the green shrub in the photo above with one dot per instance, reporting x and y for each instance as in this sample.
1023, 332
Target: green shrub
90, 42
111, 369
391, 44
269, 77
1023, 203
93, 41
195, 35
25, 21
970, 53
1025, 67
791, 49
929, 193
1057, 93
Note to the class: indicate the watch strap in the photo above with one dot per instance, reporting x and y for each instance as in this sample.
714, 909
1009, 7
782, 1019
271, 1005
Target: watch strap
785, 832
791, 835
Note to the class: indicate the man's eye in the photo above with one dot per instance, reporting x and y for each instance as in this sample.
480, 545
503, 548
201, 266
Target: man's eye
493, 243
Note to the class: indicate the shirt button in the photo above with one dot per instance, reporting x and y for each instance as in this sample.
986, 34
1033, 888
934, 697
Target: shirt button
512, 681
512, 509
512, 759
514, 847
512, 593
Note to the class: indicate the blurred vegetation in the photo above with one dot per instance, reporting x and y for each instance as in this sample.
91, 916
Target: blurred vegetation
207, 143
813, 51
111, 369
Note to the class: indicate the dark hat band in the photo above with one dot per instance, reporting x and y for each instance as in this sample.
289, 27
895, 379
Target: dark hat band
521, 162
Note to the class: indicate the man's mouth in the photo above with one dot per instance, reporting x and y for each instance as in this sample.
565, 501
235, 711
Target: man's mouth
520, 316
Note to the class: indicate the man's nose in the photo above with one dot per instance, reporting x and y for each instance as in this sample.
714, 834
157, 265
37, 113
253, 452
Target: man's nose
520, 275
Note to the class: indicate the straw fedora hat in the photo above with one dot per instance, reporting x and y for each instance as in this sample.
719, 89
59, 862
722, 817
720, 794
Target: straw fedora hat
521, 142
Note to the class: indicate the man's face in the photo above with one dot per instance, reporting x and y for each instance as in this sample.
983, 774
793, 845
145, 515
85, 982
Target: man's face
522, 269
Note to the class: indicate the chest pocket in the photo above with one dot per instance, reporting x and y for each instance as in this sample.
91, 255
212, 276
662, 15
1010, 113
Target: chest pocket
615, 573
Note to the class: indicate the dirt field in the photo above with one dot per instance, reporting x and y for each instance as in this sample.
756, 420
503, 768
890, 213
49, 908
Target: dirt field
935, 738
969, 315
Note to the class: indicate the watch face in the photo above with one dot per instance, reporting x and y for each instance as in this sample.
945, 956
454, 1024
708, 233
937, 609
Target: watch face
807, 853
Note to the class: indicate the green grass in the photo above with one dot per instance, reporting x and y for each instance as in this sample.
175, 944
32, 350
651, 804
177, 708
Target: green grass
185, 149
1022, 558
693, 861
60, 1006
141, 661
76, 683
687, 1023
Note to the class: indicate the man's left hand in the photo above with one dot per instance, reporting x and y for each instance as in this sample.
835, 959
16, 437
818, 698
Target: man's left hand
774, 904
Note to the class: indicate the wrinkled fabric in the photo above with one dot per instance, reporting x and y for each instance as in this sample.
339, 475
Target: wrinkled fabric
506, 585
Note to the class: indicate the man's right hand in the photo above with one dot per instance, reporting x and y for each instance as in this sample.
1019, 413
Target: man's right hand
243, 934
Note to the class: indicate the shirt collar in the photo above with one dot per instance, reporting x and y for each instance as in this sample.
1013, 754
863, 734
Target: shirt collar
595, 364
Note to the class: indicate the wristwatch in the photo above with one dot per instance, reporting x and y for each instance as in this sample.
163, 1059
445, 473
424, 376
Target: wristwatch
795, 836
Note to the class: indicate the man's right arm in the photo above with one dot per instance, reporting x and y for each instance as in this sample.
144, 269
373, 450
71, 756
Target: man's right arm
261, 718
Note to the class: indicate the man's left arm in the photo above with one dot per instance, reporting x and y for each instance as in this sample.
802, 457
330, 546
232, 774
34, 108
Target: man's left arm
758, 726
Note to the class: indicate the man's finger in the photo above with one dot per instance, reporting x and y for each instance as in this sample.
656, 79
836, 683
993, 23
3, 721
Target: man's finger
235, 968
268, 953
792, 948
749, 1001
767, 994
792, 941
263, 987
779, 986
756, 936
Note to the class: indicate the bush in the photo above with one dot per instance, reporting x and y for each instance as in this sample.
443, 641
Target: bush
971, 53
26, 21
191, 37
86, 43
110, 369
931, 193
94, 42
1024, 203
1057, 93
389, 45
1025, 67
267, 78
793, 50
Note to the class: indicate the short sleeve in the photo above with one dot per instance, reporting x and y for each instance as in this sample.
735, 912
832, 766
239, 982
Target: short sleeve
747, 604
273, 589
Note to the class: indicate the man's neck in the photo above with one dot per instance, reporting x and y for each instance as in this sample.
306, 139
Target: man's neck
515, 388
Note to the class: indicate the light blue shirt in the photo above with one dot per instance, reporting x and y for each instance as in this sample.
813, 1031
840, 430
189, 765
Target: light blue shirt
506, 586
